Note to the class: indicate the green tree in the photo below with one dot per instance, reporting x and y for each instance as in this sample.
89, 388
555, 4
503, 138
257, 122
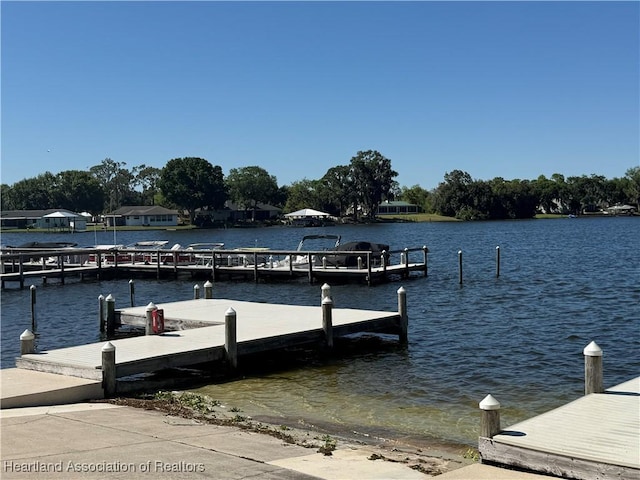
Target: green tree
336, 190
304, 194
633, 187
78, 191
452, 195
116, 181
372, 179
418, 196
249, 186
35, 193
191, 183
147, 178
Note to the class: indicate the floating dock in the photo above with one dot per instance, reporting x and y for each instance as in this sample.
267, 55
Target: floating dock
594, 437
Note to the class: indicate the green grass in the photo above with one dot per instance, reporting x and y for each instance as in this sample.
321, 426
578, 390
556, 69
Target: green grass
419, 217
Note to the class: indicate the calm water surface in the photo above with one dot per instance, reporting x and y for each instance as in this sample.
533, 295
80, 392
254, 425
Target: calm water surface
519, 337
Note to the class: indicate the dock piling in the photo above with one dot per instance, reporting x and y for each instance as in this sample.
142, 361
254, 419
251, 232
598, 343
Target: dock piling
27, 342
148, 326
498, 261
109, 369
403, 336
111, 315
208, 290
593, 376
230, 338
460, 267
425, 251
34, 322
327, 321
101, 313
490, 419
132, 292
326, 291
196, 292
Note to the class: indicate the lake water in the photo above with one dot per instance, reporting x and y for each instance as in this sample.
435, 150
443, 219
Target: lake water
562, 284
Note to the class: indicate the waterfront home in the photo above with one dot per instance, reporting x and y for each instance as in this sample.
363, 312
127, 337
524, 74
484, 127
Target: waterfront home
142, 215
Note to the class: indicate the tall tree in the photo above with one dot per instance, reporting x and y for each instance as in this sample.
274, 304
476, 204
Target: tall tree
336, 190
192, 183
147, 178
249, 186
116, 181
78, 190
372, 178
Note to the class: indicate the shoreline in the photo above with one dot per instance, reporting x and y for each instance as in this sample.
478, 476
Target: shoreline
427, 456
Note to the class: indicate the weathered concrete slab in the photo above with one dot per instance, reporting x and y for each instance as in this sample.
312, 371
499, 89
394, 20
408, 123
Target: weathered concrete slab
28, 388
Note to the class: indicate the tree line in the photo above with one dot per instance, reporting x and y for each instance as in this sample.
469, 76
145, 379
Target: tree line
193, 184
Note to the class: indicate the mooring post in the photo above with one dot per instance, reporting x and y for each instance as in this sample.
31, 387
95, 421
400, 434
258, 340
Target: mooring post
196, 291
490, 419
132, 292
61, 264
27, 342
34, 321
111, 315
109, 369
255, 267
230, 338
148, 325
593, 376
498, 261
406, 262
425, 251
325, 291
324, 262
403, 336
327, 320
460, 267
101, 313
208, 289
359, 263
310, 272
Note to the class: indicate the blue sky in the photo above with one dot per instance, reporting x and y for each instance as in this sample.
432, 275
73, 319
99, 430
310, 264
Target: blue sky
497, 89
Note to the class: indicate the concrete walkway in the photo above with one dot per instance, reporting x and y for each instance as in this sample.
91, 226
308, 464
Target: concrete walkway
63, 439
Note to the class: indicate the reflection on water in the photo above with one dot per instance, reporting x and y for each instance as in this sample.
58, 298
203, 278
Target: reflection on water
519, 337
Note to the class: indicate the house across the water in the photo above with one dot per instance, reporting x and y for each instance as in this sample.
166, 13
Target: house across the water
142, 216
397, 208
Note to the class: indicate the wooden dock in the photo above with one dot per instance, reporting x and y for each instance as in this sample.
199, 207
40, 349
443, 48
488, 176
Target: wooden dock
216, 265
259, 328
594, 437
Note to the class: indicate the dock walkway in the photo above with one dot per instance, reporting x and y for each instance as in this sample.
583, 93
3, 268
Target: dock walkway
594, 437
260, 328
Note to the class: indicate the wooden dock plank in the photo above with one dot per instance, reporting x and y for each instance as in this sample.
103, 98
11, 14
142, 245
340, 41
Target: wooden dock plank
595, 436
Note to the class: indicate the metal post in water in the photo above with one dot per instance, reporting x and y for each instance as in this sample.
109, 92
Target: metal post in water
498, 261
403, 336
593, 376
34, 321
230, 338
490, 419
27, 342
460, 267
132, 292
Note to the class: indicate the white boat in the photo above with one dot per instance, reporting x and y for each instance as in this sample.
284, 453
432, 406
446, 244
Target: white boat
302, 260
